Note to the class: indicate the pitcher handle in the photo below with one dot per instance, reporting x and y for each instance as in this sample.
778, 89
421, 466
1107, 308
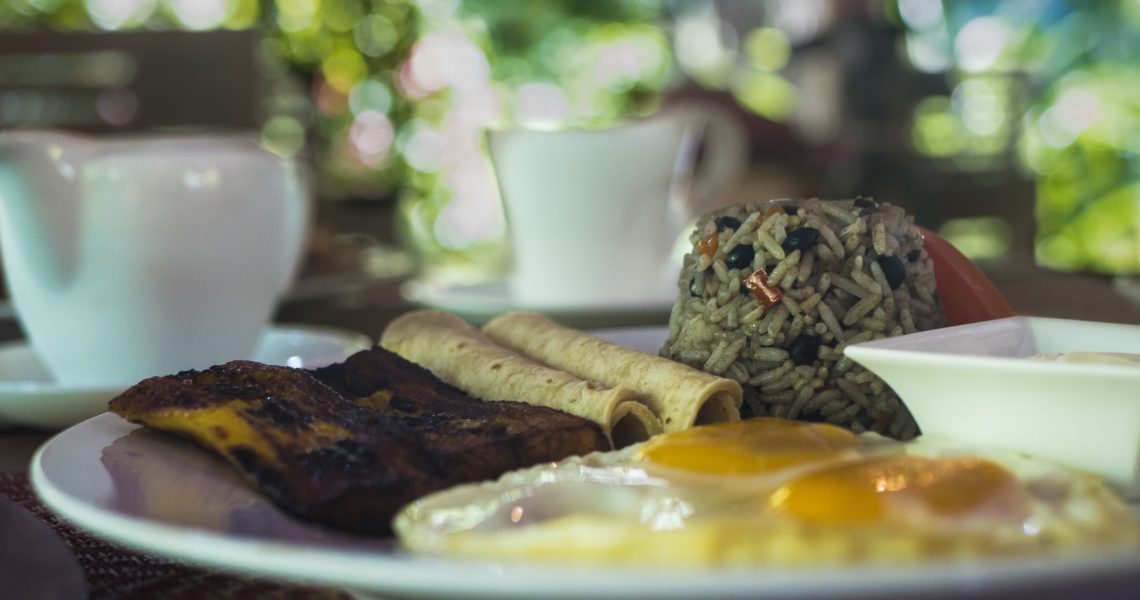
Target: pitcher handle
726, 152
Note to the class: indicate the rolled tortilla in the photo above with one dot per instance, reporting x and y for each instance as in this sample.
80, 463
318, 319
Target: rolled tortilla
678, 394
463, 356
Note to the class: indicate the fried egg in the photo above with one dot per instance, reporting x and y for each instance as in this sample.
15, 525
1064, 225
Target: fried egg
771, 492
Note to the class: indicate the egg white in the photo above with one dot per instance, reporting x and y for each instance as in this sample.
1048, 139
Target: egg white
609, 508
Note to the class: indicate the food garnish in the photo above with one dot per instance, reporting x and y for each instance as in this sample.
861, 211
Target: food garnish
967, 295
765, 293
708, 244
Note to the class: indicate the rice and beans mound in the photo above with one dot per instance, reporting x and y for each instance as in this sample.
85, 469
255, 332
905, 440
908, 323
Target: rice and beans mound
772, 292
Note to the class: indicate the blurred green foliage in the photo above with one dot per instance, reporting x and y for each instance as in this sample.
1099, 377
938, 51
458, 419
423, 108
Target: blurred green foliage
1051, 88
390, 95
314, 55
566, 43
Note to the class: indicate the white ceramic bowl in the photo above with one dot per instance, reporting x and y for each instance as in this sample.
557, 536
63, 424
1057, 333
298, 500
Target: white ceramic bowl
973, 383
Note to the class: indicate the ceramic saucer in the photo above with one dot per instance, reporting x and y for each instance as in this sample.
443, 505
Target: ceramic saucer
29, 396
480, 302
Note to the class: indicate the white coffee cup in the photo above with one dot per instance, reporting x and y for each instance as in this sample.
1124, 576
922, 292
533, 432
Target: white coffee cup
593, 214
141, 256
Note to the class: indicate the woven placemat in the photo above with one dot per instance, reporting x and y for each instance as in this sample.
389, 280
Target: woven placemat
116, 573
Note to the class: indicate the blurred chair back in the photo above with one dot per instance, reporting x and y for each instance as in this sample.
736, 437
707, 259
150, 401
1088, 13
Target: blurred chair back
100, 82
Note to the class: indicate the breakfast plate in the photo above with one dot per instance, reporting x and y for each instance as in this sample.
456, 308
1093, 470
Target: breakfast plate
161, 495
29, 396
480, 302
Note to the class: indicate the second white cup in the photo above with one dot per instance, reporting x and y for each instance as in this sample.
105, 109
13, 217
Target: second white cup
593, 214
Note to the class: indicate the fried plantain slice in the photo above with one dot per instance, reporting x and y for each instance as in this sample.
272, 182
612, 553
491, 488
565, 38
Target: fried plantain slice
349, 444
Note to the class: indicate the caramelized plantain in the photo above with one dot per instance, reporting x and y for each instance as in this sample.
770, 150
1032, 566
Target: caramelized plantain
349, 444
473, 439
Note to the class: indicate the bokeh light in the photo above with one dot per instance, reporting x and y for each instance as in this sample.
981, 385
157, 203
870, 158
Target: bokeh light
767, 48
982, 239
370, 95
343, 68
447, 59
766, 94
801, 20
242, 14
704, 45
298, 15
541, 105
376, 35
371, 135
119, 14
979, 106
935, 128
921, 15
929, 51
341, 16
283, 135
422, 146
199, 15
438, 10
979, 44
117, 107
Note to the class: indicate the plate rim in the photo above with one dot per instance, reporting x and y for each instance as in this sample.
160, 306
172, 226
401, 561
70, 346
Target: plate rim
394, 572
388, 571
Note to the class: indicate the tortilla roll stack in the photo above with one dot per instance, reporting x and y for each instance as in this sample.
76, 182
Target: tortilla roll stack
463, 356
678, 394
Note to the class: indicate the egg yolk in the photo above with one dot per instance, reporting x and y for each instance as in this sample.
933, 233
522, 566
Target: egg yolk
900, 487
753, 446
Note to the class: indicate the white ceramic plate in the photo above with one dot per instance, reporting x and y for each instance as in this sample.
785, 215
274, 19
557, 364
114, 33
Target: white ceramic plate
973, 383
159, 494
480, 302
29, 396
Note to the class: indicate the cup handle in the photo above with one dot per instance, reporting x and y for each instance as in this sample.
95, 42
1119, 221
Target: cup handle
726, 149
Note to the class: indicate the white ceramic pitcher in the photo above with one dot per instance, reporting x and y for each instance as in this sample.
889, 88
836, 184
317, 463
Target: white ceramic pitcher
141, 256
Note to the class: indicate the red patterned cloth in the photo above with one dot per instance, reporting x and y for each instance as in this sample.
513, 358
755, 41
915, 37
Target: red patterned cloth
115, 573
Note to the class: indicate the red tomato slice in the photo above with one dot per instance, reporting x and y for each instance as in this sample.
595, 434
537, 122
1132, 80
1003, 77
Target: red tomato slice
967, 295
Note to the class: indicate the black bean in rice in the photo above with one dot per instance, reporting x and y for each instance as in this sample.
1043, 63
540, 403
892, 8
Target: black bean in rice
839, 285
